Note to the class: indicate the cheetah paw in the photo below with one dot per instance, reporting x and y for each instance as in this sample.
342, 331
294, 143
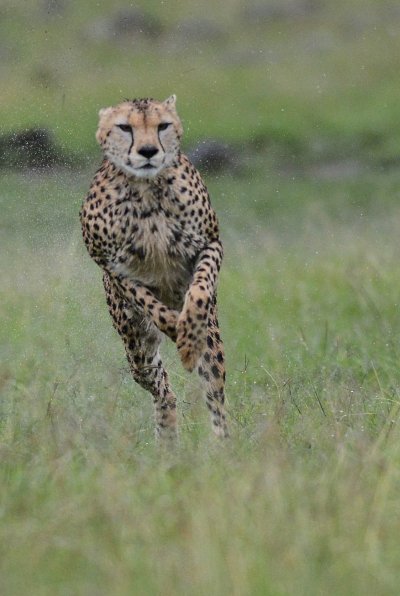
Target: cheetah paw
190, 341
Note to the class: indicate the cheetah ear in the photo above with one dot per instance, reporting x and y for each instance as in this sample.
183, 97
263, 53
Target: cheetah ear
104, 111
170, 101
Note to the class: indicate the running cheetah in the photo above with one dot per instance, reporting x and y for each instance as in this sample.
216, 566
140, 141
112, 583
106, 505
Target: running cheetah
148, 223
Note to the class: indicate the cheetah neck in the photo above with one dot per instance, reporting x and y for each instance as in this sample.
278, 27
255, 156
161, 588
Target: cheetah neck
150, 192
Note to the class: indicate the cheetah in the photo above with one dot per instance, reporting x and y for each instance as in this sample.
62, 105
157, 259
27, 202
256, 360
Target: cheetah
148, 223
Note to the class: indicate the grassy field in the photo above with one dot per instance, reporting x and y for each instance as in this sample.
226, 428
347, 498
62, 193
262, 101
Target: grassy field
304, 497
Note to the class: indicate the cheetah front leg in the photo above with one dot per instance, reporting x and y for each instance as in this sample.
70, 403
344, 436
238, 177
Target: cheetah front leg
193, 320
163, 317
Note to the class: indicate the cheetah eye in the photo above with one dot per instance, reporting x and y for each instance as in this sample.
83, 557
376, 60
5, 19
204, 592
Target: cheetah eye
164, 126
125, 127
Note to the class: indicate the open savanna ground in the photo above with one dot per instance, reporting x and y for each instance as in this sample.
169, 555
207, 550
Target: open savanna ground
303, 499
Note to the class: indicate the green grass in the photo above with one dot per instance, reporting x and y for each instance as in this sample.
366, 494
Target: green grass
303, 499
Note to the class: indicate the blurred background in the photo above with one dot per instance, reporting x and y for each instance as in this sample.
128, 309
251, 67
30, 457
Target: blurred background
313, 82
291, 112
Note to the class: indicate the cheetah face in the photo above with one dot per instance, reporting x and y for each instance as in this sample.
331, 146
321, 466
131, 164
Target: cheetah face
140, 137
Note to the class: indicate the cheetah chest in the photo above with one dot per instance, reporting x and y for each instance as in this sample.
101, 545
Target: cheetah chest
154, 247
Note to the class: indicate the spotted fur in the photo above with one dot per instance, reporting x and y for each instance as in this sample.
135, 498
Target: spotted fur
148, 223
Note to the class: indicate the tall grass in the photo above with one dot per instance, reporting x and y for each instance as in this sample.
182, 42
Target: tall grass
304, 497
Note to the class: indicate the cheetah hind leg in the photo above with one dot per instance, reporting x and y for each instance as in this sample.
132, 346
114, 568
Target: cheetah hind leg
211, 369
142, 339
147, 370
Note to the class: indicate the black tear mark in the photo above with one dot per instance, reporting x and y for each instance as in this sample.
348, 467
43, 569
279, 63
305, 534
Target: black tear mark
131, 145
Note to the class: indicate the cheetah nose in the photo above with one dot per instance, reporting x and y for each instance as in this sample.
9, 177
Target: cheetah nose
148, 151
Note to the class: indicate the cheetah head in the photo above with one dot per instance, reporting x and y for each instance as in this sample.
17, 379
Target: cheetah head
140, 137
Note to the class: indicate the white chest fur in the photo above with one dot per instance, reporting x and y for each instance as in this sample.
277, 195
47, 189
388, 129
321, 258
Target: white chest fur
155, 245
